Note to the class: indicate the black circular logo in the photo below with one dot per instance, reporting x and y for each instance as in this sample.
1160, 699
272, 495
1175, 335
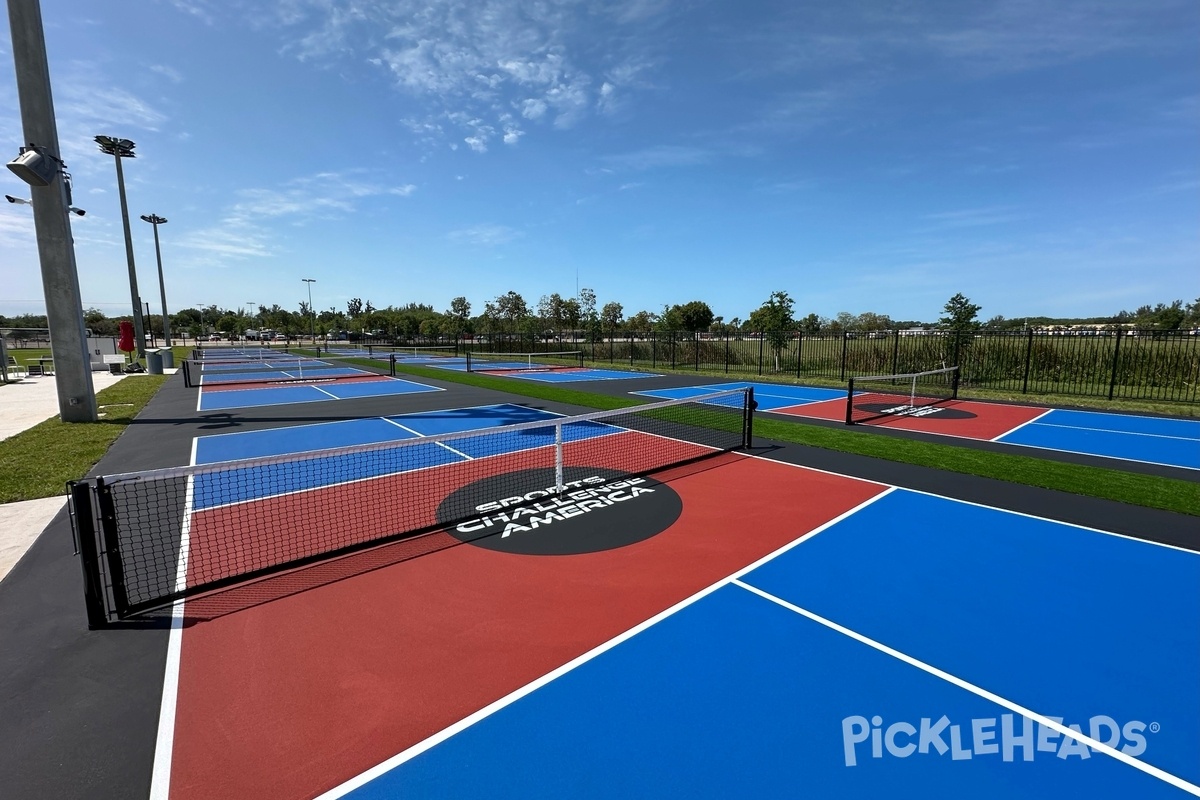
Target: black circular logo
598, 509
935, 412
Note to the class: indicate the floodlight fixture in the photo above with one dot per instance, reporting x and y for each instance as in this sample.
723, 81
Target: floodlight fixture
121, 148
35, 167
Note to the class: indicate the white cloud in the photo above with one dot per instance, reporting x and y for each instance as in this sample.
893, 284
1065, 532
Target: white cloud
481, 58
486, 234
170, 73
533, 109
661, 156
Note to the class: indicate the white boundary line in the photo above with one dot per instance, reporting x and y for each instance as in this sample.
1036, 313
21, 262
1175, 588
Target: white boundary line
164, 748
1094, 744
419, 435
1120, 433
980, 505
417, 749
1017, 428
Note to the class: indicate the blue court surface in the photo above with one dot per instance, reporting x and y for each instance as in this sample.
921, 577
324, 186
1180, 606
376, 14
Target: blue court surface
269, 480
1154, 440
286, 394
769, 396
916, 647
1151, 440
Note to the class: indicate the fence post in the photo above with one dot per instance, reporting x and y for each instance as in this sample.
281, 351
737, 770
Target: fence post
896, 352
672, 333
799, 352
726, 352
631, 348
957, 344
696, 347
845, 344
1028, 362
1112, 383
761, 339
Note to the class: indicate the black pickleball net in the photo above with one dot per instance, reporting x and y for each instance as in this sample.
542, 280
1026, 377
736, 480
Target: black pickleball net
878, 396
516, 362
173, 533
283, 370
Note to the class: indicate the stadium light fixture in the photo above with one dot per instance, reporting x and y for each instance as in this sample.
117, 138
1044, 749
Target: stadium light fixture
156, 220
118, 149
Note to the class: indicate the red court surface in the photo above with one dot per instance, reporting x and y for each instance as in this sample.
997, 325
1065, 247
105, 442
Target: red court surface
292, 697
965, 418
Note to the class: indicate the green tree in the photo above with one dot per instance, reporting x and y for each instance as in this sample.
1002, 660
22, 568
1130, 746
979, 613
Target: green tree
643, 321
962, 316
774, 319
458, 316
587, 309
572, 313
512, 310
611, 316
692, 316
811, 324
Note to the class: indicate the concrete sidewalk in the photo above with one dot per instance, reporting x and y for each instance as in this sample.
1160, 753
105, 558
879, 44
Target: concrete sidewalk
24, 404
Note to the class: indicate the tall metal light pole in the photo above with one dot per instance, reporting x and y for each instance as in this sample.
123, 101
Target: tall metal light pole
118, 149
156, 220
312, 318
56, 249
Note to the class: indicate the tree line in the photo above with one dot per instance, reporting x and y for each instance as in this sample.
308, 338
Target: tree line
556, 316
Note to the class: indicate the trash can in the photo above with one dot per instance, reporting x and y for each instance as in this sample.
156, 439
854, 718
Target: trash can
154, 362
168, 357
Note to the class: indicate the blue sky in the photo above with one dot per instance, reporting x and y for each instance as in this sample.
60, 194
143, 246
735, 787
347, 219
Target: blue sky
1041, 158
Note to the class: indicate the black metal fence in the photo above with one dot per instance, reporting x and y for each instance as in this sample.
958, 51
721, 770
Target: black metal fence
1124, 364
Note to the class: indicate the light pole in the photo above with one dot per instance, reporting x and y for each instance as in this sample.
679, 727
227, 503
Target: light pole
312, 318
156, 220
118, 149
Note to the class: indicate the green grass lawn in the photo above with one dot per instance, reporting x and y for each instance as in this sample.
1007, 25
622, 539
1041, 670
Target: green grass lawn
1110, 484
39, 461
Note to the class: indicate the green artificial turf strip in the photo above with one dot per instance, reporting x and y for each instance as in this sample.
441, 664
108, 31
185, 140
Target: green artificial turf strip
1142, 490
39, 461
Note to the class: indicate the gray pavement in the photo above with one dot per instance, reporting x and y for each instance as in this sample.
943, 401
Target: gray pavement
24, 404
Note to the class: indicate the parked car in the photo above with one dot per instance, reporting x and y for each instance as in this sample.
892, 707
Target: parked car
281, 337
214, 337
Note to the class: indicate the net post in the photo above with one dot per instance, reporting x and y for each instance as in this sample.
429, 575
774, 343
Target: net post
392, 365
187, 374
558, 459
954, 383
850, 404
751, 405
109, 542
83, 524
468, 362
